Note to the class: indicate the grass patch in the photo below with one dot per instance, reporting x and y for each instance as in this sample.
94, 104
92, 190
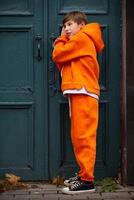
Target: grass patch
107, 184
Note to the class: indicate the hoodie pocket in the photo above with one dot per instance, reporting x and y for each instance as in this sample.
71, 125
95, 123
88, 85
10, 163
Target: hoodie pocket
67, 75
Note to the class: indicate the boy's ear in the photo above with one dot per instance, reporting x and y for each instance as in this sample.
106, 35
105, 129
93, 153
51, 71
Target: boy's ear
82, 24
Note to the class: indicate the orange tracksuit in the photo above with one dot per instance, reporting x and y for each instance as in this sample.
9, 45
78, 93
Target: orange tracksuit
77, 60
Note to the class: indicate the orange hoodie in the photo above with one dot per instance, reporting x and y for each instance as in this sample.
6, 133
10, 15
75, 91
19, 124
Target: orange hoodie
77, 58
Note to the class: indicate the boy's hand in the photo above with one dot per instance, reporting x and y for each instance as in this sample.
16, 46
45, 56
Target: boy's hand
63, 32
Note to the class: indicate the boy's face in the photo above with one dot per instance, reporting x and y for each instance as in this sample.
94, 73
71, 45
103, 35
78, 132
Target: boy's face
71, 28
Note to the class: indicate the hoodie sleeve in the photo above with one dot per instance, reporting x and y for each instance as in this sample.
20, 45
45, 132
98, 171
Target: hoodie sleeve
65, 51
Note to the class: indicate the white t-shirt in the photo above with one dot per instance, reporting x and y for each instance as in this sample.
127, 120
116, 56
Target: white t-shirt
81, 91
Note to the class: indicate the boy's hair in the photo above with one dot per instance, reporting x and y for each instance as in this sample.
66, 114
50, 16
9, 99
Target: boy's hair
76, 16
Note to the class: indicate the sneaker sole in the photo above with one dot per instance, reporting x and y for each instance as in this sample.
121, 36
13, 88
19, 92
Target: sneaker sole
67, 191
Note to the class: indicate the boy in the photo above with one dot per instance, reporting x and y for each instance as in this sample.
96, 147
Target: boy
75, 54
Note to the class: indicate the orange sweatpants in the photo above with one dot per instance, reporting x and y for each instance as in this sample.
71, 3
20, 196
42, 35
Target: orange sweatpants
84, 123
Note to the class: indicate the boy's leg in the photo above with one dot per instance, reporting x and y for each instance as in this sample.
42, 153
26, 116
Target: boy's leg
84, 122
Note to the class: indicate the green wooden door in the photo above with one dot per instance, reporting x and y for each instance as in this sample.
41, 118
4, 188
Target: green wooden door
34, 121
23, 89
108, 153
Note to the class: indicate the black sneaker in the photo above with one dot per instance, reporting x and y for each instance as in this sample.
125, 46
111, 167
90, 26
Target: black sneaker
72, 180
79, 187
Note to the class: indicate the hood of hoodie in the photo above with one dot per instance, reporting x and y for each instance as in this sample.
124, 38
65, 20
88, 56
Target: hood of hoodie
94, 32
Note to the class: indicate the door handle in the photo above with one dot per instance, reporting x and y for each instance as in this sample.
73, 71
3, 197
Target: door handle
52, 72
52, 79
38, 39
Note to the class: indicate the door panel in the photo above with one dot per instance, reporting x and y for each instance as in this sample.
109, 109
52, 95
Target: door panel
92, 7
15, 7
23, 128
61, 154
16, 43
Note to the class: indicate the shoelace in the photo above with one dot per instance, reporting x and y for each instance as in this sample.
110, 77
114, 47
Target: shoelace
75, 185
73, 178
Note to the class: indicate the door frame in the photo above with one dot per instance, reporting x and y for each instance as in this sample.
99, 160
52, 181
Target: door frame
46, 90
123, 104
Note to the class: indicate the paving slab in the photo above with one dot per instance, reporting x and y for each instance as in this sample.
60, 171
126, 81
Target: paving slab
52, 192
6, 198
131, 194
116, 195
121, 199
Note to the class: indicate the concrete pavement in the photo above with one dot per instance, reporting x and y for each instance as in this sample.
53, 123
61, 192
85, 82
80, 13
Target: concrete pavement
45, 191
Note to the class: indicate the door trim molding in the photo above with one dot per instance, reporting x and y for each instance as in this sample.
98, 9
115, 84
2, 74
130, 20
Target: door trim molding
123, 104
